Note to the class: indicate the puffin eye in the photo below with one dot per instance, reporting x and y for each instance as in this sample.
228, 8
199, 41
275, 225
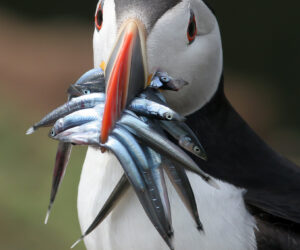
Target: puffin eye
192, 29
99, 18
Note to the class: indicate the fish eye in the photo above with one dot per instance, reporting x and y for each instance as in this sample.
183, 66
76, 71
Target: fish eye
165, 79
197, 149
169, 116
52, 132
192, 28
86, 91
99, 18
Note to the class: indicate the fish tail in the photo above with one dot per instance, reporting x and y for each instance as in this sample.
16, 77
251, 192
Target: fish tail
213, 183
30, 131
48, 213
78, 241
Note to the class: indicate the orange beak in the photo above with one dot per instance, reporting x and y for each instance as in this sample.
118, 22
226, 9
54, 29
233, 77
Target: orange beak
126, 73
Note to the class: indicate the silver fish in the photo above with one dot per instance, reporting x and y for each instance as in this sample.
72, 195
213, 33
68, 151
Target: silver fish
181, 183
116, 195
178, 177
86, 134
149, 136
63, 154
152, 109
62, 158
61, 162
155, 162
132, 174
153, 95
89, 134
149, 174
132, 146
138, 184
185, 136
162, 80
143, 106
92, 81
75, 104
77, 118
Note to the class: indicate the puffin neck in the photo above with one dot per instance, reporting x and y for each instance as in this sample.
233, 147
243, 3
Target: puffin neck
238, 156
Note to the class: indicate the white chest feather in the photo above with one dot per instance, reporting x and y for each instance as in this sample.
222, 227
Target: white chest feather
227, 224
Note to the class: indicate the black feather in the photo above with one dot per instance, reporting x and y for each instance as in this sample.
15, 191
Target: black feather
238, 156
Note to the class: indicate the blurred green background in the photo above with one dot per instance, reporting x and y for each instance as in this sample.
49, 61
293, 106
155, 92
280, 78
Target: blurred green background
46, 46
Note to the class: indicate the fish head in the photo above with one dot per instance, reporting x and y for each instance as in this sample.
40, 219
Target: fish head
92, 81
57, 128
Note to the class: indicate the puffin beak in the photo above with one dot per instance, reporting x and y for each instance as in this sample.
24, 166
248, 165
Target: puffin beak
126, 73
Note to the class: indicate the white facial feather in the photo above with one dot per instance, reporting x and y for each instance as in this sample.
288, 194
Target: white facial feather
105, 39
199, 63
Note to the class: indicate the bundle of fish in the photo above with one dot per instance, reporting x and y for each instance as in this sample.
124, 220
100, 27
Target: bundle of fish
140, 141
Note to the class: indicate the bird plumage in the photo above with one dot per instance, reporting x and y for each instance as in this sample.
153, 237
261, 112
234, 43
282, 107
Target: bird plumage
226, 221
238, 156
251, 173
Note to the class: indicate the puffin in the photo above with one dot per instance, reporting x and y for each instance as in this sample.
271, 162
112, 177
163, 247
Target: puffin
257, 205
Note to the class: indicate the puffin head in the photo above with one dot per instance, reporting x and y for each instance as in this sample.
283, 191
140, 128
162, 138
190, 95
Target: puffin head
134, 38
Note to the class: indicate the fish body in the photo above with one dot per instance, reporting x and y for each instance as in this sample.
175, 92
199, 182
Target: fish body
148, 169
159, 186
61, 162
145, 107
181, 183
153, 95
138, 184
62, 158
81, 124
86, 134
135, 165
77, 118
185, 137
115, 196
161, 80
132, 146
162, 145
75, 104
92, 81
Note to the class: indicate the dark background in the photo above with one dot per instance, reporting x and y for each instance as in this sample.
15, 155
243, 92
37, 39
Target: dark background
46, 46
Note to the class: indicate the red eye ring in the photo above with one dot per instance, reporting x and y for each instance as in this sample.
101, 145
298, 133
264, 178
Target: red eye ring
192, 29
99, 18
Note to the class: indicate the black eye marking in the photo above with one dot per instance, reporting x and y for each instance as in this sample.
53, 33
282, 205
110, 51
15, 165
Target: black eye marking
192, 28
